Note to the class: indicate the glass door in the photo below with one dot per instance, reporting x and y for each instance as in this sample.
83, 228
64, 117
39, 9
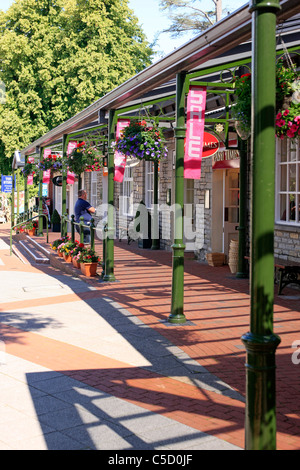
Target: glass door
231, 208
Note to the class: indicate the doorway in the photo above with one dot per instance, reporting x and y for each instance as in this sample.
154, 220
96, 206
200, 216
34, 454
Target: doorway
225, 209
231, 208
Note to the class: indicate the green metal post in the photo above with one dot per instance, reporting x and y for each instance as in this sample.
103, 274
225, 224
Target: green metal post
177, 315
242, 270
260, 341
81, 229
25, 196
92, 232
40, 226
104, 250
73, 228
64, 185
109, 259
155, 220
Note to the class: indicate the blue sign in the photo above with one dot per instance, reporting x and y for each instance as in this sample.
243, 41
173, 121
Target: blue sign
6, 184
45, 189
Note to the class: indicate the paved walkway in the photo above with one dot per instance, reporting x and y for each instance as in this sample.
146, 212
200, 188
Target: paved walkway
94, 365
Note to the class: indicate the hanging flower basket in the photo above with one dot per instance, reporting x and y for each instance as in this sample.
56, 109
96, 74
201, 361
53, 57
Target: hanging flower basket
287, 120
84, 157
142, 141
52, 162
29, 169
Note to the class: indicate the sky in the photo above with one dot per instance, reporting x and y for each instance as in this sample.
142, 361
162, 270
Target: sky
153, 21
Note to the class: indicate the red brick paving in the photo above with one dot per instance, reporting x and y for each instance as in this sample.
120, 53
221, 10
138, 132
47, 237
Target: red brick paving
217, 304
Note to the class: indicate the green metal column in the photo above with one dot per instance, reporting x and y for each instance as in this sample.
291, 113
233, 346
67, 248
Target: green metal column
155, 220
40, 227
109, 244
25, 196
64, 185
242, 271
260, 341
177, 315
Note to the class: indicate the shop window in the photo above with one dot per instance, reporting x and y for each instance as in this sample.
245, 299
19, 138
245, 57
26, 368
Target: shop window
149, 182
288, 182
93, 187
126, 201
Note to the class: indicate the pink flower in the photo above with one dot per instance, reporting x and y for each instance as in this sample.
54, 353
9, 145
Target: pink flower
279, 115
280, 123
297, 119
286, 112
290, 133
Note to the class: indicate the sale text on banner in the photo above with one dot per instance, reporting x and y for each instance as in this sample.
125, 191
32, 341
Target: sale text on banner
119, 158
196, 103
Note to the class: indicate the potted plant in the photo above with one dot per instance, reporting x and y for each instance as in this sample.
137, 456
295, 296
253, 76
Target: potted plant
75, 253
30, 228
66, 249
89, 262
142, 141
55, 220
57, 245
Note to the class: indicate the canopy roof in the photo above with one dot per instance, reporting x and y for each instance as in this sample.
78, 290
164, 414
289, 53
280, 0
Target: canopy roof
225, 42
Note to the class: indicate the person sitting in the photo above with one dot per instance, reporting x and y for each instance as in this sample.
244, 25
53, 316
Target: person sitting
83, 209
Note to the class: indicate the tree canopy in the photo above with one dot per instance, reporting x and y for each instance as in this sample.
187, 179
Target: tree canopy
187, 15
59, 56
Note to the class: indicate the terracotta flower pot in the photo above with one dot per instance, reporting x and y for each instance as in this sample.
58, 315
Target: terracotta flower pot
89, 269
75, 263
67, 258
31, 233
60, 254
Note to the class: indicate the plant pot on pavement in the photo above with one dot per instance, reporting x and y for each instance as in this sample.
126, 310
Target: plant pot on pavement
89, 269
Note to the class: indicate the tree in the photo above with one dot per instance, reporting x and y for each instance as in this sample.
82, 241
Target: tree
186, 16
57, 57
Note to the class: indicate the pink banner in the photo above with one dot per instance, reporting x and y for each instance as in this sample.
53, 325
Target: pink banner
46, 176
71, 145
196, 102
47, 152
120, 159
70, 177
29, 180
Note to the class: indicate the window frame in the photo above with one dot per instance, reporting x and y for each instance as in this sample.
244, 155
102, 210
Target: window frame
284, 191
126, 206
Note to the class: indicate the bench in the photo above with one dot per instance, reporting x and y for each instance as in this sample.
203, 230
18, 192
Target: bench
124, 228
289, 272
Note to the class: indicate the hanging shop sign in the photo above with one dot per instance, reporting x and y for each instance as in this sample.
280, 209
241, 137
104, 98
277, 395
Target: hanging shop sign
57, 180
119, 158
196, 102
211, 145
6, 183
226, 159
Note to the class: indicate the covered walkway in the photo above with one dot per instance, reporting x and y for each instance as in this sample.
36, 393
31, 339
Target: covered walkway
209, 395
